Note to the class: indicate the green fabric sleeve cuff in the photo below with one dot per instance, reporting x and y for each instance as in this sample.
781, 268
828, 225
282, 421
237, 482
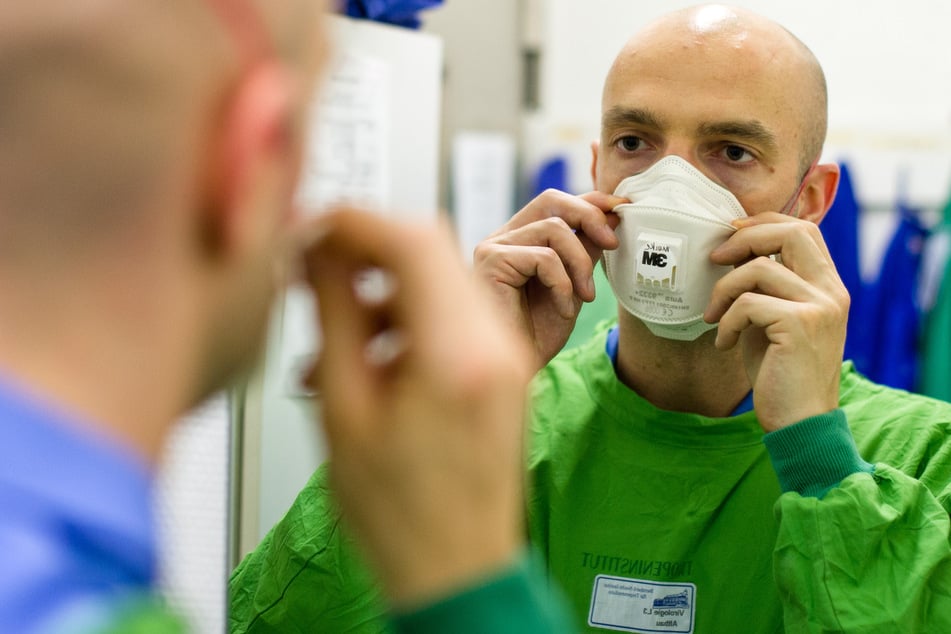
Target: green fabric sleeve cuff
143, 616
516, 600
814, 455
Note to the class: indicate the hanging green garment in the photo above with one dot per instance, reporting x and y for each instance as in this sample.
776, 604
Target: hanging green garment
935, 372
593, 313
308, 575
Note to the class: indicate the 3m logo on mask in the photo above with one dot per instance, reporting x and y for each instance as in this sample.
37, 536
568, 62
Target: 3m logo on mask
658, 256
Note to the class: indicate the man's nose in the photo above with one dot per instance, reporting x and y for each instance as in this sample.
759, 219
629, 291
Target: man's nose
689, 152
684, 149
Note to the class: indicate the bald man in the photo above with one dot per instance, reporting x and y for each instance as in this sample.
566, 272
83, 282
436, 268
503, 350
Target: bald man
686, 478
149, 153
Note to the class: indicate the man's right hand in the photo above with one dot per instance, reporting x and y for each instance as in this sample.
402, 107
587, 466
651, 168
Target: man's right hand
423, 393
539, 266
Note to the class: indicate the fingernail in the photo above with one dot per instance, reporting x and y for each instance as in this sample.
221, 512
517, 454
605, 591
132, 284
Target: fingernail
385, 348
374, 286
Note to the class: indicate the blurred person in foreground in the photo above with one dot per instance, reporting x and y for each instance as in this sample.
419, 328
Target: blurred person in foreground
148, 155
687, 476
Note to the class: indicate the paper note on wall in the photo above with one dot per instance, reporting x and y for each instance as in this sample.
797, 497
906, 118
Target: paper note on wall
346, 162
483, 171
347, 153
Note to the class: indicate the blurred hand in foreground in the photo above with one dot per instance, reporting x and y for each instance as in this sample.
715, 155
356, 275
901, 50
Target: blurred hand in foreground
423, 392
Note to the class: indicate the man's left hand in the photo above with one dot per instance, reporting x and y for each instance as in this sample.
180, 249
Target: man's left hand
789, 316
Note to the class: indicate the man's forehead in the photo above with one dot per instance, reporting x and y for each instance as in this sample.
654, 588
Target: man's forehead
712, 38
706, 83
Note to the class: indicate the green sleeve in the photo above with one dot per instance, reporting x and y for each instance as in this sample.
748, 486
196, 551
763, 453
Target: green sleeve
815, 455
306, 575
869, 553
145, 616
516, 601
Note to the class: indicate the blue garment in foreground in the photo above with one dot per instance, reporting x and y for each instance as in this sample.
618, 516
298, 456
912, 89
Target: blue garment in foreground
610, 347
76, 532
399, 12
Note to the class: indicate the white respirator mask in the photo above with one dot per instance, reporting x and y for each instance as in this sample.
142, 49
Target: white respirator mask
661, 272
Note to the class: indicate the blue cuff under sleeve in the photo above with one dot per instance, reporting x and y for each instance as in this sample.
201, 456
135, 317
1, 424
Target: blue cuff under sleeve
814, 455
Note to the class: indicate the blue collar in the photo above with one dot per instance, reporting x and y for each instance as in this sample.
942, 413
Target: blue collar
611, 347
76, 531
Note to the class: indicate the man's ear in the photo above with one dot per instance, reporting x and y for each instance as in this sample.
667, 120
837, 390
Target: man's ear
253, 158
819, 192
595, 146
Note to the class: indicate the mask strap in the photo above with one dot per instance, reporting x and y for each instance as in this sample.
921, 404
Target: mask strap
245, 26
802, 185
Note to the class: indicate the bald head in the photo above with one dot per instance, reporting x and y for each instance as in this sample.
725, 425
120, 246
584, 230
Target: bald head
732, 50
87, 112
102, 104
147, 162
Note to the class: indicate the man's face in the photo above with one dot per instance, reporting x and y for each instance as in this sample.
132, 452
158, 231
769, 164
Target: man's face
722, 103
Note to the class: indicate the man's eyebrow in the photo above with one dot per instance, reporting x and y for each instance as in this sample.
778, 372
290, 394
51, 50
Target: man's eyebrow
619, 117
752, 131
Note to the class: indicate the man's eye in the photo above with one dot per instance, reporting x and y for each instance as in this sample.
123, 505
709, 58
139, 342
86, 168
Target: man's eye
629, 143
737, 154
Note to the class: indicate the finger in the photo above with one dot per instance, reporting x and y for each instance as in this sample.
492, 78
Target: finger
342, 373
588, 214
761, 275
556, 235
606, 203
773, 225
425, 266
798, 242
518, 265
799, 246
594, 254
752, 309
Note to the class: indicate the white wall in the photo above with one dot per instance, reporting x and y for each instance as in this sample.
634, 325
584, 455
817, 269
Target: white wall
482, 78
887, 66
192, 513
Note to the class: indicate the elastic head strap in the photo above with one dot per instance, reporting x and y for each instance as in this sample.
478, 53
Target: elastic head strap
802, 185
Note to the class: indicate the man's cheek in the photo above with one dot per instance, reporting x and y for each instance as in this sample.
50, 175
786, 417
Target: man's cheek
607, 179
